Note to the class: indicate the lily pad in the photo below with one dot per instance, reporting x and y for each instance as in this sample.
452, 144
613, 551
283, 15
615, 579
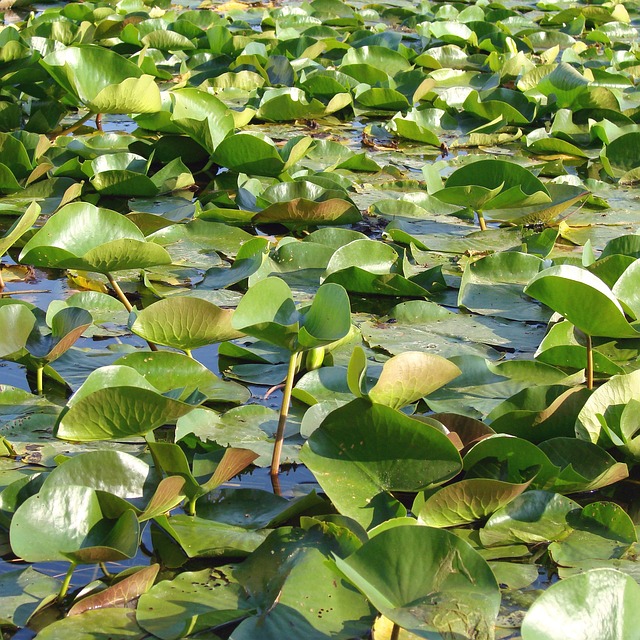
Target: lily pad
355, 464
184, 323
602, 599
102, 80
83, 236
90, 536
445, 588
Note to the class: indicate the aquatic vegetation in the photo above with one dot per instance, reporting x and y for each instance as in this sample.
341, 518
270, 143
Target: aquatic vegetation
205, 208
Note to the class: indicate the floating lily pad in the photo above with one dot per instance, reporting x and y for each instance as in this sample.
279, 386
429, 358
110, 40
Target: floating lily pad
601, 598
405, 595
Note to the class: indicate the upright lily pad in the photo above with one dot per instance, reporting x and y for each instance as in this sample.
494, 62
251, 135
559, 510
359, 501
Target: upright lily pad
168, 371
302, 213
468, 500
621, 157
256, 154
583, 299
89, 535
493, 184
354, 456
19, 227
139, 407
16, 323
102, 80
404, 379
605, 408
83, 236
184, 323
268, 312
115, 472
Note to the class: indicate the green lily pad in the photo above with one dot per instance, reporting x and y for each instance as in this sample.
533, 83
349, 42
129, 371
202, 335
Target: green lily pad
565, 83
83, 236
300, 212
102, 80
267, 311
355, 464
19, 227
16, 324
621, 156
602, 530
468, 500
509, 459
140, 407
100, 624
533, 517
577, 294
539, 412
21, 592
608, 401
584, 466
493, 184
446, 588
168, 371
602, 599
295, 566
406, 378
191, 601
184, 323
120, 474
250, 427
200, 538
89, 537
493, 285
419, 125
255, 154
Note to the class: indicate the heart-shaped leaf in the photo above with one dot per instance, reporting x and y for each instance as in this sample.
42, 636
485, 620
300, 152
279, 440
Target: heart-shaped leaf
83, 236
354, 456
583, 299
428, 581
87, 535
184, 323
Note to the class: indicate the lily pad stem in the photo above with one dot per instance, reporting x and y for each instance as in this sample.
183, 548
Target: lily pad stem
107, 574
72, 128
395, 632
23, 293
116, 287
127, 305
188, 352
481, 221
589, 370
39, 382
284, 412
66, 582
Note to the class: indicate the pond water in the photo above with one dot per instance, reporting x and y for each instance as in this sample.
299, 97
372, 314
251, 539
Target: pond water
378, 179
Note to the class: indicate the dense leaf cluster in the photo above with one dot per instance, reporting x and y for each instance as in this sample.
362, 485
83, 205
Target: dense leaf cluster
299, 184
